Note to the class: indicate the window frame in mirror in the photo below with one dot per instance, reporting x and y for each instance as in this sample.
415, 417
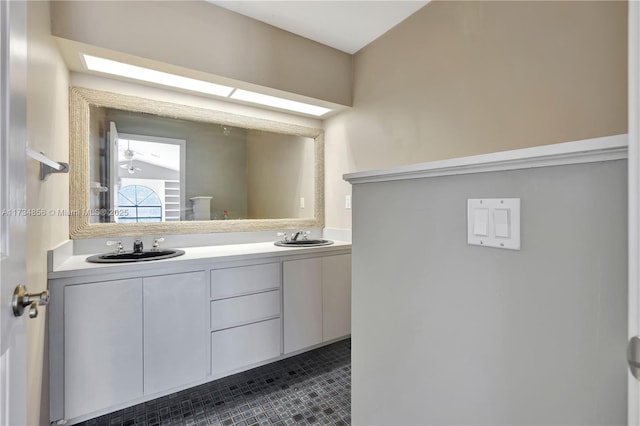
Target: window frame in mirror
80, 101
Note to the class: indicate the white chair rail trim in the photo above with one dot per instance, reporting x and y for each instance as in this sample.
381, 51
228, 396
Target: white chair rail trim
606, 148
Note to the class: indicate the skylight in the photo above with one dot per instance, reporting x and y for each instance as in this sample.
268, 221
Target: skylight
108, 66
121, 69
258, 98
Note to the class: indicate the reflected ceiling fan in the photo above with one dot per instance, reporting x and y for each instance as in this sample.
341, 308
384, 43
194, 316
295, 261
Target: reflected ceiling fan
128, 155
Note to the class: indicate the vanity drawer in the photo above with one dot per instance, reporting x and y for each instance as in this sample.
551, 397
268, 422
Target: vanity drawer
244, 309
245, 279
239, 347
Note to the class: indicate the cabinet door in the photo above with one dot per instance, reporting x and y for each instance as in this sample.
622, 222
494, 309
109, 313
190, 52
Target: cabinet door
176, 330
336, 296
302, 303
102, 345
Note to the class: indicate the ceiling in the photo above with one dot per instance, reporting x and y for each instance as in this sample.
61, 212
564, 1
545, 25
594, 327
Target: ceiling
345, 25
166, 155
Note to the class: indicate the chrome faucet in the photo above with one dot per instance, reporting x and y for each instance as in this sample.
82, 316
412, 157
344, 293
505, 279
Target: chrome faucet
137, 246
294, 236
304, 235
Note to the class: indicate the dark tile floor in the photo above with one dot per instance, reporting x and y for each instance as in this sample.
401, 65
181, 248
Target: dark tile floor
313, 388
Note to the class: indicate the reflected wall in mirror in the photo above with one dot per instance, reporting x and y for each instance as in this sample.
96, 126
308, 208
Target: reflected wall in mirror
143, 167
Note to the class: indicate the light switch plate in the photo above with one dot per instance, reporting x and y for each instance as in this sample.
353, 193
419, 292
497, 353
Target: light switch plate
502, 222
481, 222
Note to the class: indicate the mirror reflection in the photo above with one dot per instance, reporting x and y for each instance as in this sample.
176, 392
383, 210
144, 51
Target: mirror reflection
151, 168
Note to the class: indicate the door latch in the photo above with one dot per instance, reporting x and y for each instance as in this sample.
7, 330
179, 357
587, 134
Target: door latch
21, 299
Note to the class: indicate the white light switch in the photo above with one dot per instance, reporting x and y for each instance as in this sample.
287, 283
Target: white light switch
347, 202
501, 222
302, 202
481, 222
494, 222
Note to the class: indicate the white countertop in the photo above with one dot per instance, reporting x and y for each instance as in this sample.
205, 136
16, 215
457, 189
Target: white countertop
77, 265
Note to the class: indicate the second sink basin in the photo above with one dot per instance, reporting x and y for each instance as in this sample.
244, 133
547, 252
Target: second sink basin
129, 256
303, 243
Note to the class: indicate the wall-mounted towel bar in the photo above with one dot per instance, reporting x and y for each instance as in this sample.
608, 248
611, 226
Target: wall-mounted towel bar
47, 166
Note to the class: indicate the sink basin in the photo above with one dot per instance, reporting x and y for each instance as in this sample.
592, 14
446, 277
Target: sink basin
129, 256
303, 243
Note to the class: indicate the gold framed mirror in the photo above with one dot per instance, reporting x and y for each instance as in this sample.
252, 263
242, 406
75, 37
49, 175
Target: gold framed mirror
91, 219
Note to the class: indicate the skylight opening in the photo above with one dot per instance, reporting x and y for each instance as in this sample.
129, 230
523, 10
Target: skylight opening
121, 69
272, 101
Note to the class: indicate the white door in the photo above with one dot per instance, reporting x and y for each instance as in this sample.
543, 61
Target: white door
634, 199
114, 184
13, 85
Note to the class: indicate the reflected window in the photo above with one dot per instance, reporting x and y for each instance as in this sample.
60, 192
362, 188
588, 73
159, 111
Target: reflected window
142, 204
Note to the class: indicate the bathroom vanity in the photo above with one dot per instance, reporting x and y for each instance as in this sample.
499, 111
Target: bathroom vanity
121, 334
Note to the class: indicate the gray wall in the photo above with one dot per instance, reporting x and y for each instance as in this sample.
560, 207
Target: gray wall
446, 333
280, 170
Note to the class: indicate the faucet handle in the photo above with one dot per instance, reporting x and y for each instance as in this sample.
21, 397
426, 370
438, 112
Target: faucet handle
156, 243
305, 234
119, 249
283, 235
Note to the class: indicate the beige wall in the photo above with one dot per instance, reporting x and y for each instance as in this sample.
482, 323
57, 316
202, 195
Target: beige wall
47, 131
200, 36
280, 170
465, 78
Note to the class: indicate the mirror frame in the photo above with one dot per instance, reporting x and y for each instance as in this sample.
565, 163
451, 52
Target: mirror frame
80, 100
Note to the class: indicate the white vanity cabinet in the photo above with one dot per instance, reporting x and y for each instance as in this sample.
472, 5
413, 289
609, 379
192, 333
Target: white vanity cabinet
102, 345
317, 300
121, 340
176, 335
121, 335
